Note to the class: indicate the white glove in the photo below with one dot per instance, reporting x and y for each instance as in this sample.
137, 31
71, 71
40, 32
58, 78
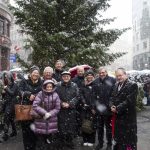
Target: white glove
32, 127
47, 116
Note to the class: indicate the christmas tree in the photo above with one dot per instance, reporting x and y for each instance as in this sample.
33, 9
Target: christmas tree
72, 30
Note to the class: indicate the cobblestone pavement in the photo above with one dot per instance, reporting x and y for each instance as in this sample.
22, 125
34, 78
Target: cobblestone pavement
143, 135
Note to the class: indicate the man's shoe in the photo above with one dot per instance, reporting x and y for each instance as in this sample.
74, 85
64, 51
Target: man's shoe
90, 144
99, 147
70, 145
85, 144
109, 147
13, 134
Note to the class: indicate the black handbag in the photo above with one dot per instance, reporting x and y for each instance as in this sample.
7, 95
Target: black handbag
87, 126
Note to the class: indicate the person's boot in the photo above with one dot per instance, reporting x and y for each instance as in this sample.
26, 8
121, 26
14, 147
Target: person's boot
99, 147
5, 137
14, 133
109, 147
70, 145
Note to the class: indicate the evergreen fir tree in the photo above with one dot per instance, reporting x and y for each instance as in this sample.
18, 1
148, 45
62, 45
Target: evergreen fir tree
72, 30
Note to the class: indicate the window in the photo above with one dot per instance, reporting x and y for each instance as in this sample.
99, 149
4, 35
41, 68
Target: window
145, 45
8, 29
137, 47
1, 27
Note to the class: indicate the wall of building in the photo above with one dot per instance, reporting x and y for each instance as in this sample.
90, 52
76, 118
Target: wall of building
141, 34
5, 42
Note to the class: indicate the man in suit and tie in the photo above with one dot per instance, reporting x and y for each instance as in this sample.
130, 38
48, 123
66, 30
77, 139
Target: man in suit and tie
102, 89
123, 106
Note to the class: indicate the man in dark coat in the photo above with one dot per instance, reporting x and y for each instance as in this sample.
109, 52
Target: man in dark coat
146, 89
123, 105
79, 79
9, 94
68, 93
58, 70
102, 88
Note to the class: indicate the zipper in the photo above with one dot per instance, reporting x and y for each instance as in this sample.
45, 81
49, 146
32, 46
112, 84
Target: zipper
47, 119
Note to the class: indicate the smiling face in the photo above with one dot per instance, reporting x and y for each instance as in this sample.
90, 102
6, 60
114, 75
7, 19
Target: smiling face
35, 75
59, 65
49, 87
90, 78
102, 73
66, 78
80, 71
48, 73
121, 75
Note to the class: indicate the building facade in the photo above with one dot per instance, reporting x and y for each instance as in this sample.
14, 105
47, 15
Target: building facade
141, 34
19, 45
5, 42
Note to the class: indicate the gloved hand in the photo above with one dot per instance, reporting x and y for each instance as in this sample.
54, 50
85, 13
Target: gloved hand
47, 116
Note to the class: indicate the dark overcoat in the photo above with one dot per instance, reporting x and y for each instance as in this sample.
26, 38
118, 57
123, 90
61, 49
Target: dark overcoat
126, 121
67, 119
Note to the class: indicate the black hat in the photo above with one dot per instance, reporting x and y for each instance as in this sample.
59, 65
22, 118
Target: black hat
89, 72
34, 68
66, 73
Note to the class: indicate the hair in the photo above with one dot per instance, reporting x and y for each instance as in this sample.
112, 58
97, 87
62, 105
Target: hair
80, 67
102, 68
34, 67
122, 69
48, 68
60, 61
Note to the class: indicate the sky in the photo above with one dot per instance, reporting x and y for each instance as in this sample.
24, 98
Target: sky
122, 9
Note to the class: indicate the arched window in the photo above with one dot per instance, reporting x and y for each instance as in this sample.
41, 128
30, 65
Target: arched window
1, 26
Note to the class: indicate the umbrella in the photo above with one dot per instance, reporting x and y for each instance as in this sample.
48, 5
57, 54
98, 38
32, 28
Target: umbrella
73, 70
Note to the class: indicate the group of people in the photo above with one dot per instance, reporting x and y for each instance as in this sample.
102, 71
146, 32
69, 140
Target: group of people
66, 107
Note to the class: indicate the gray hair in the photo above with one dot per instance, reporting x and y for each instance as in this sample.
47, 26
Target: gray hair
121, 69
102, 68
49, 69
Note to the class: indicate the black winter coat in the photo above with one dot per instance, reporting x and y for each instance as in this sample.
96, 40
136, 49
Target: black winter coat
67, 122
9, 98
103, 90
57, 75
27, 87
126, 123
79, 81
87, 97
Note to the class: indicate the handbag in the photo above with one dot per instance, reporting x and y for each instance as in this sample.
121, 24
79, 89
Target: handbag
22, 112
87, 126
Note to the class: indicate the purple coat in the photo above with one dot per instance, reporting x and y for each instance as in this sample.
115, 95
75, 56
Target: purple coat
43, 103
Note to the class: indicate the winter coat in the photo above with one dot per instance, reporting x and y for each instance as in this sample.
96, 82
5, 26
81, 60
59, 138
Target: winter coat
102, 92
9, 97
79, 81
57, 75
27, 87
87, 97
43, 103
126, 123
67, 116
